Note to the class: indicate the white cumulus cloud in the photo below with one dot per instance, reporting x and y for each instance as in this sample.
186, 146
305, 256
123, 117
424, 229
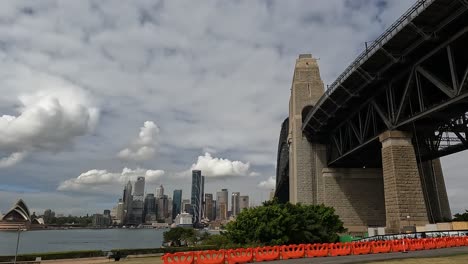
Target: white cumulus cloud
269, 184
219, 167
104, 181
47, 120
144, 147
12, 159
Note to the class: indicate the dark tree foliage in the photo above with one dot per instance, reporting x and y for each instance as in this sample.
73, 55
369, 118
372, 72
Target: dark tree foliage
180, 236
461, 217
277, 224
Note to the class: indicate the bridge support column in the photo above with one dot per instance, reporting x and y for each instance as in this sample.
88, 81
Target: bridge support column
305, 163
402, 184
435, 193
357, 195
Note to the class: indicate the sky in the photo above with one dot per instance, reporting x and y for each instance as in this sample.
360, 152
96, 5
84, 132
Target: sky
94, 93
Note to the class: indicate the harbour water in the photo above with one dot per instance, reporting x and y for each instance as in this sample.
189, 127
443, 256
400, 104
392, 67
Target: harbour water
79, 239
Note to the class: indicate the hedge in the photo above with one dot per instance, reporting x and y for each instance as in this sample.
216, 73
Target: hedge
55, 255
100, 253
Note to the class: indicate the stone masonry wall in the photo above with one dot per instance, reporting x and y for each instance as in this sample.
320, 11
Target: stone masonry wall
357, 195
402, 184
307, 88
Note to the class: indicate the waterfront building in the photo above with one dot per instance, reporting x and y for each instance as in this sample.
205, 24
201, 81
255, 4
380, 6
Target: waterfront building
186, 206
48, 215
107, 212
243, 202
235, 203
18, 217
120, 211
149, 207
183, 220
197, 196
139, 187
209, 206
136, 216
101, 220
222, 204
176, 203
213, 211
163, 208
127, 200
160, 192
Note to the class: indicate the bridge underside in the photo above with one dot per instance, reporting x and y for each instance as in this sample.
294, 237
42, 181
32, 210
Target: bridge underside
375, 136
416, 82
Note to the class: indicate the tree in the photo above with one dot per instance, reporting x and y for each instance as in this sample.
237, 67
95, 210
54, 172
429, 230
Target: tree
180, 236
461, 217
277, 224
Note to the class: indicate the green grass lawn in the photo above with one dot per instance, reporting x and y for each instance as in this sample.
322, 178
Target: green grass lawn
458, 259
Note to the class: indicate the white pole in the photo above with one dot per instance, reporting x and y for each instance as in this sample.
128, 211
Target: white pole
17, 243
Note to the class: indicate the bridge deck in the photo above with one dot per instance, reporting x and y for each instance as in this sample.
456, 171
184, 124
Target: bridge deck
409, 39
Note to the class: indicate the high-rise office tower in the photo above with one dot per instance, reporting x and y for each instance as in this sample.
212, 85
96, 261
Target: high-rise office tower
244, 202
197, 196
186, 206
176, 203
149, 208
136, 216
222, 204
120, 211
213, 212
209, 206
235, 203
127, 200
139, 187
159, 192
163, 208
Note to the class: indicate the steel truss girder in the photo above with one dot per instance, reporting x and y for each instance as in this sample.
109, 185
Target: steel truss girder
446, 139
413, 95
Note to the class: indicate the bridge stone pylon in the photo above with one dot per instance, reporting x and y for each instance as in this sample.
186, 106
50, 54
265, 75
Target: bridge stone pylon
362, 197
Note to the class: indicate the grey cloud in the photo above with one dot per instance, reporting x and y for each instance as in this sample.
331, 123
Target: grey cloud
215, 77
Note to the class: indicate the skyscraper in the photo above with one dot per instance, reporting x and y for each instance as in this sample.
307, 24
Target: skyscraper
176, 203
127, 200
163, 208
235, 206
139, 187
244, 202
159, 192
149, 211
197, 196
186, 206
222, 204
209, 206
120, 211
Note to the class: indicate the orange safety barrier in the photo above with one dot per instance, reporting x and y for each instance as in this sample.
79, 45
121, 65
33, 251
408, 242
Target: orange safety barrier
340, 249
460, 241
451, 241
381, 247
178, 258
316, 250
239, 255
440, 242
361, 248
399, 245
292, 251
429, 243
210, 257
415, 244
267, 253
465, 240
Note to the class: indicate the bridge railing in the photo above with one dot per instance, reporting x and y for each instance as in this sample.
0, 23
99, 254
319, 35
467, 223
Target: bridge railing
405, 19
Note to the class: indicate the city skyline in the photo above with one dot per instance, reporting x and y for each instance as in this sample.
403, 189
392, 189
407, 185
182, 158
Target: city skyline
93, 95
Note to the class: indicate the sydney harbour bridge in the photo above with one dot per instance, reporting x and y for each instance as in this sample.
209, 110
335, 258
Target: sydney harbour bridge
369, 145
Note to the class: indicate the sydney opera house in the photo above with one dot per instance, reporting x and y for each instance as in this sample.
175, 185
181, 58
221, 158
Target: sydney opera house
18, 217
